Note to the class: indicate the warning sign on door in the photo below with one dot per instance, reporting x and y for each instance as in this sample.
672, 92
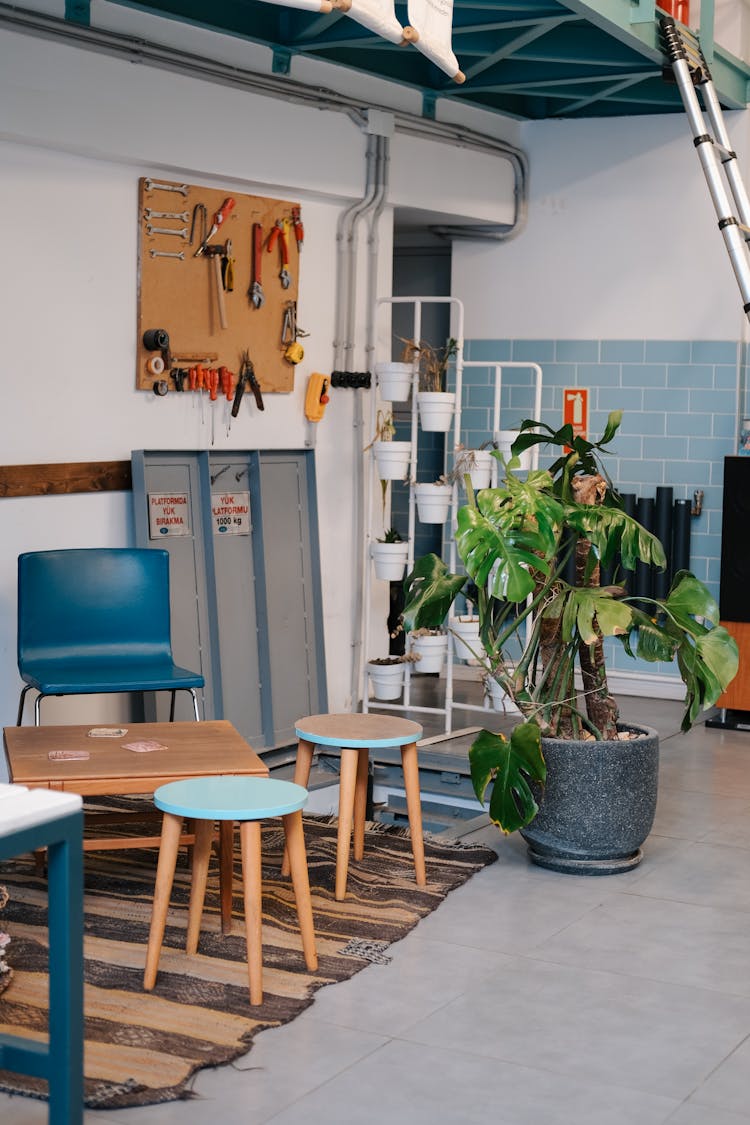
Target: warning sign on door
231, 512
168, 514
576, 410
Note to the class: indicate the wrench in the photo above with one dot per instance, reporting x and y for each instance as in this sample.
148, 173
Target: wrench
152, 185
167, 254
166, 230
182, 215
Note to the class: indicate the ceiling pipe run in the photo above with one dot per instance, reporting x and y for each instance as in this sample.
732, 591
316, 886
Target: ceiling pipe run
137, 50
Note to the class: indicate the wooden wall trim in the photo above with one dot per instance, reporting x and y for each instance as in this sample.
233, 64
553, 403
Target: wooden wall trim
66, 477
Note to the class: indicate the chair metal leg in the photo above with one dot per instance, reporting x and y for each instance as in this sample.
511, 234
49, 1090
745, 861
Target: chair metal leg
21, 703
171, 706
37, 710
195, 704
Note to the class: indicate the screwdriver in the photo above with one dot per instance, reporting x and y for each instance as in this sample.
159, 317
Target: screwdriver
224, 211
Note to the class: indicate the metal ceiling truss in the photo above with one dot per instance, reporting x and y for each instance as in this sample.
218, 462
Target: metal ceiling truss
528, 59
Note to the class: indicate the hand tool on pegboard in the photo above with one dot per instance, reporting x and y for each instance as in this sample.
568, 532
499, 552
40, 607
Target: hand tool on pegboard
255, 292
217, 253
290, 333
299, 230
278, 234
199, 221
227, 267
220, 217
247, 377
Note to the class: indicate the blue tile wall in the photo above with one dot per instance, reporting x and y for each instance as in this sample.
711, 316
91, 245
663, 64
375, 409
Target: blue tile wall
680, 400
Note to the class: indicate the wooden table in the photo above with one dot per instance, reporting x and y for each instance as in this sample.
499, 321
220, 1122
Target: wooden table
190, 750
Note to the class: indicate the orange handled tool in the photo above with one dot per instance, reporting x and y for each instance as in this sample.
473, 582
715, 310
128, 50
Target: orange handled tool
299, 230
212, 379
227, 382
278, 233
226, 209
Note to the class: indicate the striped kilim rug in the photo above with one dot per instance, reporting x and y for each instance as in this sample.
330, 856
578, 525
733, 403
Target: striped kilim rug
143, 1048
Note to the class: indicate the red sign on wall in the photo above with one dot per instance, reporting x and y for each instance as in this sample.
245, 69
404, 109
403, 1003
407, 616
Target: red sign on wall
576, 410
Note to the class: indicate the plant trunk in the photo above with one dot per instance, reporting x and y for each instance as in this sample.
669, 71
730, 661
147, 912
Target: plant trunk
601, 708
558, 718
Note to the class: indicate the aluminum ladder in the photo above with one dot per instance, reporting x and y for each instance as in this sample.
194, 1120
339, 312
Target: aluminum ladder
688, 67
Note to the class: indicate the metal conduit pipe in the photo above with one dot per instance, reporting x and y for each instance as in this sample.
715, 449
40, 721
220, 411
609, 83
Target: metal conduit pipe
136, 50
346, 255
363, 512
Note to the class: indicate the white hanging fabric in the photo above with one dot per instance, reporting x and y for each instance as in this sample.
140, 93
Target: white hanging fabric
431, 23
306, 5
376, 15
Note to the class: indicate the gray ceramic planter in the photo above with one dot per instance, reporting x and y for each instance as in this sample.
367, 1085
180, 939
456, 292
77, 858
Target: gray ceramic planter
598, 804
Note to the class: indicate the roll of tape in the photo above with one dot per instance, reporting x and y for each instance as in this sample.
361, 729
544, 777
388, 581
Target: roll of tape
161, 388
155, 339
155, 365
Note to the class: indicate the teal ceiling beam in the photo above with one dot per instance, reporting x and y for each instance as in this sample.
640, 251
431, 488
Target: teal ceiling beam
281, 62
510, 48
78, 11
730, 75
602, 95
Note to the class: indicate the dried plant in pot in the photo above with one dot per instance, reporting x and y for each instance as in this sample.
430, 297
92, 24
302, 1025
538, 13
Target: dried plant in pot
431, 647
580, 785
436, 405
474, 463
386, 674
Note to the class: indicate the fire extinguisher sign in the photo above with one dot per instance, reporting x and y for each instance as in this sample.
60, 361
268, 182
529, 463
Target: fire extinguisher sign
576, 410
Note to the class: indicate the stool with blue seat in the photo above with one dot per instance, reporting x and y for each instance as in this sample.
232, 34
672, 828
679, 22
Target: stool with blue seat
355, 735
249, 800
97, 620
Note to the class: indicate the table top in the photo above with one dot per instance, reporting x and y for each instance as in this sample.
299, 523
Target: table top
357, 730
22, 808
187, 750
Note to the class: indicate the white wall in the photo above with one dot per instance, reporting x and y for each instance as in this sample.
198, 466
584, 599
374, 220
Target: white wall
621, 240
77, 129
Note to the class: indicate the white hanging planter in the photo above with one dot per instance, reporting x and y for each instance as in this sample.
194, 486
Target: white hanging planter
387, 680
504, 440
478, 464
433, 502
392, 459
466, 637
394, 380
432, 650
390, 560
500, 700
436, 409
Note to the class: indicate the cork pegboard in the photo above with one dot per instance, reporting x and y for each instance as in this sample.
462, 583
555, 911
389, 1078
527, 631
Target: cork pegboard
179, 295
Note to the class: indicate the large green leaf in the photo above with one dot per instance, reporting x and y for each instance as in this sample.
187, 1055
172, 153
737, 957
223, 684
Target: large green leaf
689, 598
611, 531
429, 592
481, 545
589, 607
510, 766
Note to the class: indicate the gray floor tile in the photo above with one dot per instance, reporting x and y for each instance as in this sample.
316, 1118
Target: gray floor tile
593, 1026
698, 946
404, 1082
423, 976
728, 1087
692, 1114
704, 874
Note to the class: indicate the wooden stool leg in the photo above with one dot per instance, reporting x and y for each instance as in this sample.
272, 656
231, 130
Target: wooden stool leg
414, 808
252, 883
298, 859
347, 790
301, 777
226, 873
204, 831
360, 802
171, 830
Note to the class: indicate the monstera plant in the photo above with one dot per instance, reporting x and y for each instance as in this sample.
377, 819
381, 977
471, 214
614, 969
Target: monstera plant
538, 630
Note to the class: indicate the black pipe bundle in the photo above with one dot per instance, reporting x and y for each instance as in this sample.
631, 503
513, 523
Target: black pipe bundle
644, 572
662, 529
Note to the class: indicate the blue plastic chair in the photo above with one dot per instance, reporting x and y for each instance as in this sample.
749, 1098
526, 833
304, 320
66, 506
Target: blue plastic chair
97, 620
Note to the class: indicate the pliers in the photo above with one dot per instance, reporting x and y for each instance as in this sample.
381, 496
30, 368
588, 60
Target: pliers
278, 233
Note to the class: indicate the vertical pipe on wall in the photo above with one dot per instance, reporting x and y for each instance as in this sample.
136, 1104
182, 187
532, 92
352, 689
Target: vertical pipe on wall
681, 536
644, 573
663, 531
